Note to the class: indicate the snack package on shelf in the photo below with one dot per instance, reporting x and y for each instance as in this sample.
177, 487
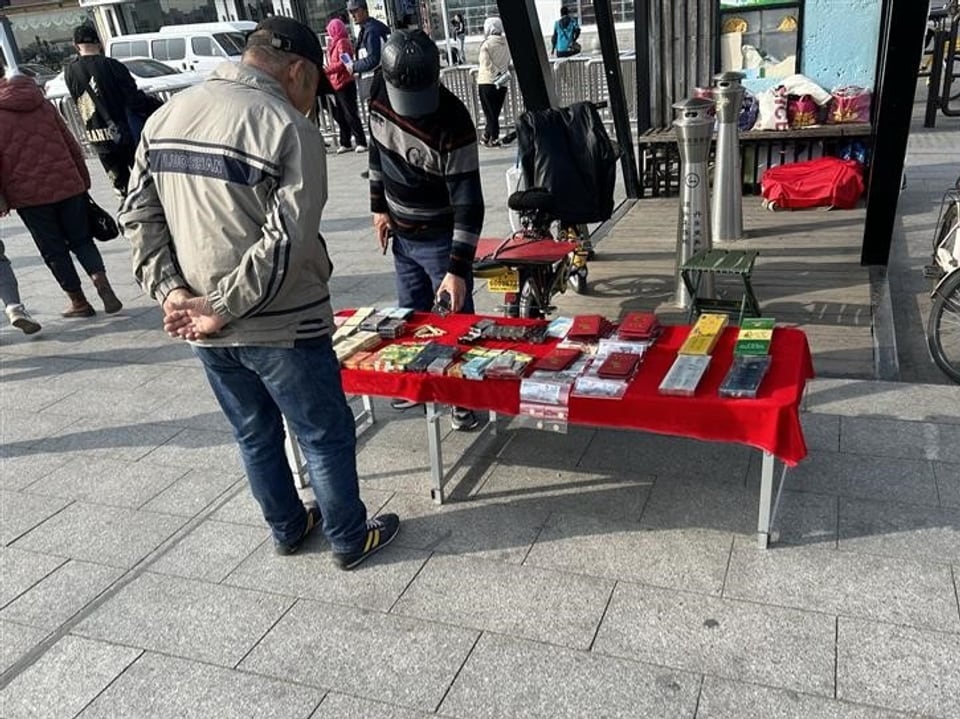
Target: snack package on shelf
745, 376
684, 375
704, 334
754, 336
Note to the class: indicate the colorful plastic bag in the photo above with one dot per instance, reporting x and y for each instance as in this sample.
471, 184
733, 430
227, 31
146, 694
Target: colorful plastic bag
802, 111
849, 104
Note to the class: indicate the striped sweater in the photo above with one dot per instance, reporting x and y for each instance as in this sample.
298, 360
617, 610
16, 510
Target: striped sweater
425, 172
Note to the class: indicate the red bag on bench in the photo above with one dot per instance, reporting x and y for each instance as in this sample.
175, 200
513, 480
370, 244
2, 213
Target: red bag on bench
827, 181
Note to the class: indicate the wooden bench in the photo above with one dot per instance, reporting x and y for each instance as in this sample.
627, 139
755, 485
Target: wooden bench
759, 149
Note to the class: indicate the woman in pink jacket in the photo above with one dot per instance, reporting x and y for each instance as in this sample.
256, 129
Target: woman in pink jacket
44, 177
345, 110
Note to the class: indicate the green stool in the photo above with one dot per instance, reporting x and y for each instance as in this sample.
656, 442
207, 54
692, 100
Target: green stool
721, 262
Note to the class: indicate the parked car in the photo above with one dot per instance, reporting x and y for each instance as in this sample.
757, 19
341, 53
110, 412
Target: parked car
41, 74
200, 47
150, 75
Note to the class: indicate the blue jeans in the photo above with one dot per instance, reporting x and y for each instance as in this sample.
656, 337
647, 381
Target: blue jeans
421, 266
254, 386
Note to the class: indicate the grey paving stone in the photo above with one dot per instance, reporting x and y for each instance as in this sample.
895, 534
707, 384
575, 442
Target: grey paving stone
546, 449
17, 641
491, 530
35, 398
21, 570
104, 437
899, 667
111, 375
659, 455
779, 647
821, 431
497, 597
23, 430
120, 405
408, 470
194, 448
896, 400
106, 535
194, 620
20, 512
341, 706
506, 678
211, 551
882, 588
948, 483
65, 679
620, 496
725, 699
692, 559
896, 438
60, 594
20, 472
803, 518
169, 688
242, 508
108, 481
701, 502
194, 491
900, 530
312, 574
393, 659
860, 475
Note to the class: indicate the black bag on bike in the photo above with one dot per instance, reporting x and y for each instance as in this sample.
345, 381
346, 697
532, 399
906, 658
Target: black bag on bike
569, 152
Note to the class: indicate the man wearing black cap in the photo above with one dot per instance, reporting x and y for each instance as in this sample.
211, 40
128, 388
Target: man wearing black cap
106, 96
222, 217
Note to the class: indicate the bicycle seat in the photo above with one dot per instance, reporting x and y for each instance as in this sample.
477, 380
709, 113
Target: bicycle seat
535, 199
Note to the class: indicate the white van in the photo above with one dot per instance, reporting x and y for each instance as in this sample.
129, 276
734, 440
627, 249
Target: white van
199, 47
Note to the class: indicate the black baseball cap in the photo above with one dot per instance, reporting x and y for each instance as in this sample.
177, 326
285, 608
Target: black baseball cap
410, 64
85, 34
293, 37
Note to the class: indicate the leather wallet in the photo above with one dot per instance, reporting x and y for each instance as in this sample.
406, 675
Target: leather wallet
558, 359
586, 327
618, 365
639, 326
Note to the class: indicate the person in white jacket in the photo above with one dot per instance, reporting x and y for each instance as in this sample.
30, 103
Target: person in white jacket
491, 78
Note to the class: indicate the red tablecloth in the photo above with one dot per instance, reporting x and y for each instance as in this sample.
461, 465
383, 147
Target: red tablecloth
770, 422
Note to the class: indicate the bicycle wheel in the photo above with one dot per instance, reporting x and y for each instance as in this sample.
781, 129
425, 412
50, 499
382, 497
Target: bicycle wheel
948, 223
943, 327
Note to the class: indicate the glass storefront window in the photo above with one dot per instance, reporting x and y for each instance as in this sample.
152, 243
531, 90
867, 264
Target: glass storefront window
46, 38
151, 15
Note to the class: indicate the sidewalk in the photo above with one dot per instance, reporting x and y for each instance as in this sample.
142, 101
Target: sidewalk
598, 573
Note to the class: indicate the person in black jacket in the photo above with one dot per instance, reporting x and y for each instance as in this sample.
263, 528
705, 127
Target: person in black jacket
373, 34
108, 100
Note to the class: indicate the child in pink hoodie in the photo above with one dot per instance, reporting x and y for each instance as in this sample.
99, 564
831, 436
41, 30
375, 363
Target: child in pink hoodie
345, 110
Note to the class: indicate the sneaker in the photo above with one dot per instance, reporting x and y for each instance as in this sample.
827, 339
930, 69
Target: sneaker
360, 149
402, 404
343, 150
313, 521
463, 420
22, 320
381, 530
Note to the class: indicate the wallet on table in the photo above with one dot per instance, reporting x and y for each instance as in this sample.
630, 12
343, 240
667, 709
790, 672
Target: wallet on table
558, 359
618, 365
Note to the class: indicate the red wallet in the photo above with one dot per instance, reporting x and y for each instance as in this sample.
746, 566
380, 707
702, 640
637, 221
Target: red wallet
586, 327
618, 365
638, 326
558, 359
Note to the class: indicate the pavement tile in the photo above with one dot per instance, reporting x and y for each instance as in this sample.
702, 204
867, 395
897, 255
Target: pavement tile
21, 472
194, 491
751, 642
897, 438
311, 574
164, 687
894, 400
899, 667
803, 518
525, 602
863, 476
120, 405
114, 536
692, 559
195, 620
21, 570
65, 679
17, 641
534, 448
60, 594
341, 706
948, 483
505, 678
194, 448
108, 375
661, 455
821, 431
242, 508
900, 530
22, 430
408, 470
378, 656
211, 551
490, 530
725, 699
104, 437
701, 502
33, 397
20, 512
108, 481
881, 588
604, 494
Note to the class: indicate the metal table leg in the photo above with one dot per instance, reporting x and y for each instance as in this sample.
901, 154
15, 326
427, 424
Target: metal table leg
768, 504
436, 452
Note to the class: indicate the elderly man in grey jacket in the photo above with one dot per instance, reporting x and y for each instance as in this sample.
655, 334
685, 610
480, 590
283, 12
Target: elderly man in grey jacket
222, 216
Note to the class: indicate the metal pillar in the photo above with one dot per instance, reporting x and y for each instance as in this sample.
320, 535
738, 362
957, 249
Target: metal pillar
534, 76
641, 41
726, 218
8, 46
694, 126
617, 99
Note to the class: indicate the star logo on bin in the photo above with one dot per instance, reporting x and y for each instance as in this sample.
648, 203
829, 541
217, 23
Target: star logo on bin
692, 180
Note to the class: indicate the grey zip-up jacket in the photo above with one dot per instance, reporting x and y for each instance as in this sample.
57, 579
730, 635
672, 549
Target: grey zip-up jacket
225, 200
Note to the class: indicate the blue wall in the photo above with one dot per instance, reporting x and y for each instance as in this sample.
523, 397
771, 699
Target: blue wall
840, 42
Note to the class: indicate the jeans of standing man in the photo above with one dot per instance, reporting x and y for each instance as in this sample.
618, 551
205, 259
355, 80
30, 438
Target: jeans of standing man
258, 386
491, 100
59, 229
9, 289
347, 115
421, 266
